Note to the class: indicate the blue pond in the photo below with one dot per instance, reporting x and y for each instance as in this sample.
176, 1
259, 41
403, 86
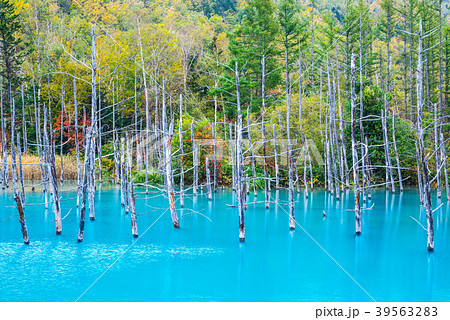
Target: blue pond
322, 260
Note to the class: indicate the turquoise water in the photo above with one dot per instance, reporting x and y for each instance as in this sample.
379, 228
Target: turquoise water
204, 260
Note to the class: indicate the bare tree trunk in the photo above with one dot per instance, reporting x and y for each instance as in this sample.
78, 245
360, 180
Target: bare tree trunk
263, 134
341, 123
24, 124
441, 135
305, 182
369, 189
19, 152
354, 149
147, 110
131, 200
361, 110
233, 168
46, 160
240, 191
275, 148
290, 161
444, 159
424, 162
77, 142
4, 169
99, 132
419, 174
214, 126
83, 187
62, 132
54, 183
332, 130
123, 187
182, 154
437, 153
252, 157
168, 134
208, 179
194, 160
387, 151
125, 172
23, 224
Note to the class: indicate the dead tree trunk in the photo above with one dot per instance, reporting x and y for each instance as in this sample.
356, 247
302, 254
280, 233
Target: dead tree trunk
354, 149
437, 153
275, 148
399, 170
4, 168
17, 196
194, 160
263, 134
215, 155
290, 161
444, 159
419, 174
46, 160
252, 156
131, 199
62, 133
122, 172
424, 161
305, 182
181, 154
77, 142
19, 152
332, 124
24, 124
239, 162
99, 133
387, 151
168, 134
208, 179
341, 124
83, 187
147, 110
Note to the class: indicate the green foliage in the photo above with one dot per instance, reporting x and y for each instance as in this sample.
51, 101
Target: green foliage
12, 49
255, 38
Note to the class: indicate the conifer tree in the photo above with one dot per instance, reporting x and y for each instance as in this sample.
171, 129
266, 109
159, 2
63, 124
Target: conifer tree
11, 49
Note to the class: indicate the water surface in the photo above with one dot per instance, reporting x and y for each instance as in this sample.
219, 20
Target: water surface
322, 260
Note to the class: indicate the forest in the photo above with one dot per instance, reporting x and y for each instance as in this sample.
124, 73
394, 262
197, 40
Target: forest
184, 95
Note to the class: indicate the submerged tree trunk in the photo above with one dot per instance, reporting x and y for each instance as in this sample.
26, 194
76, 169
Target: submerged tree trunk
208, 179
275, 148
354, 150
77, 142
131, 199
17, 196
290, 160
168, 134
181, 154
399, 170
240, 191
421, 145
83, 188
263, 134
387, 151
194, 160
